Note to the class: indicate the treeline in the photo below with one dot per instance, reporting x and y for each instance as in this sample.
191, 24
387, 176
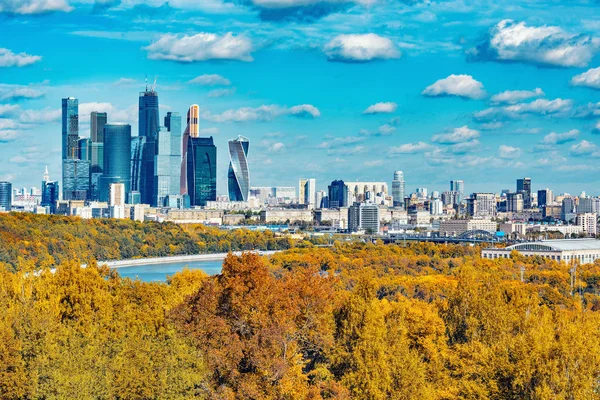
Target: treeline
355, 321
49, 240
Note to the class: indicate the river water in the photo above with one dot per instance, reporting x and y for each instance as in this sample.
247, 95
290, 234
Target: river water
159, 272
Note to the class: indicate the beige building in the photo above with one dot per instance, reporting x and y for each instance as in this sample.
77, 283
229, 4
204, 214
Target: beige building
286, 215
357, 190
194, 216
337, 217
455, 227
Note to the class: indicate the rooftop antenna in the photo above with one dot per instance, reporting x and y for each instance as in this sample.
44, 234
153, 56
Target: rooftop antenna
146, 79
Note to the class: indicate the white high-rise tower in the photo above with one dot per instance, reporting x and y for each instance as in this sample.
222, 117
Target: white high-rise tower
398, 189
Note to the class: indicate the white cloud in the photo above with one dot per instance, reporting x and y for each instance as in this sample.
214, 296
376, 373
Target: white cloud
18, 92
43, 116
222, 92
375, 163
456, 85
10, 59
409, 148
542, 107
512, 41
458, 135
508, 152
8, 109
200, 47
125, 82
33, 6
590, 78
583, 148
560, 138
515, 96
209, 131
7, 123
262, 113
211, 80
340, 142
381, 108
383, 130
8, 135
277, 147
19, 160
360, 48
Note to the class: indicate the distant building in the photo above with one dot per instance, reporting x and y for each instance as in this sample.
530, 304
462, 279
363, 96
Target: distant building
84, 149
545, 197
70, 127
514, 202
50, 192
238, 175
97, 122
568, 210
481, 205
398, 189
338, 194
307, 191
76, 179
363, 217
458, 186
173, 125
117, 158
571, 251
360, 191
588, 222
117, 194
148, 119
191, 131
201, 170
524, 188
5, 196
455, 227
138, 144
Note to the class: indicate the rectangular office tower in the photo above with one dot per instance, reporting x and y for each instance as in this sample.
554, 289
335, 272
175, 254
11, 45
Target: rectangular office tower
148, 128
70, 127
201, 170
307, 191
167, 163
76, 179
524, 187
117, 158
173, 125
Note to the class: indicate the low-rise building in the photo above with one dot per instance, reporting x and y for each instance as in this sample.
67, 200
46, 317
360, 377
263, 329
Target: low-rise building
582, 251
336, 217
286, 216
455, 227
194, 216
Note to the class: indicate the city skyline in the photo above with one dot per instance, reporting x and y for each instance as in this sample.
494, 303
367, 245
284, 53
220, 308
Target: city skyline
441, 90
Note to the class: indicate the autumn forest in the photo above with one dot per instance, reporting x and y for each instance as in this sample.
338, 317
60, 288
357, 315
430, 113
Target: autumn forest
346, 321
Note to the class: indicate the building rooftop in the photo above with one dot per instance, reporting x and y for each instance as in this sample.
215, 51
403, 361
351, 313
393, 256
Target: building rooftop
559, 245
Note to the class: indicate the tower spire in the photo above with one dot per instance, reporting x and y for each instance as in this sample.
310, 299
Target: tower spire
46, 175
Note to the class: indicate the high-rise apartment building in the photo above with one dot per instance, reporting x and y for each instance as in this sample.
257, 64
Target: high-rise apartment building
524, 187
5, 196
117, 158
398, 189
116, 194
514, 202
307, 191
148, 128
363, 217
338, 194
191, 131
238, 174
481, 205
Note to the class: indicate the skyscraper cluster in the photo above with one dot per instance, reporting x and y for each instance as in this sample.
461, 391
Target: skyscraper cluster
160, 167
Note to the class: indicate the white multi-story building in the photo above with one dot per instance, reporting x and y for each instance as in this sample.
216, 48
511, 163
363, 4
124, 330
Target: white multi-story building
398, 189
116, 194
436, 207
588, 223
363, 217
357, 191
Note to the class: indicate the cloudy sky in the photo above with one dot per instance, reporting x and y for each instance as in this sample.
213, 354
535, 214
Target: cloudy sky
330, 89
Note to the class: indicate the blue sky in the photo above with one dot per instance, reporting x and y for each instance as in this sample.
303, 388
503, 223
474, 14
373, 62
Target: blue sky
330, 89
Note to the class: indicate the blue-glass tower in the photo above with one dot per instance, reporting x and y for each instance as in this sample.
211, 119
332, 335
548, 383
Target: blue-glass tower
5, 196
173, 125
338, 194
201, 170
238, 175
117, 158
148, 128
70, 127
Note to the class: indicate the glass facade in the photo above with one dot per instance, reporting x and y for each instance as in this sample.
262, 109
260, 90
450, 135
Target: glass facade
5, 196
338, 194
162, 168
201, 171
50, 195
137, 149
97, 122
238, 174
173, 125
148, 128
84, 148
70, 127
117, 158
76, 179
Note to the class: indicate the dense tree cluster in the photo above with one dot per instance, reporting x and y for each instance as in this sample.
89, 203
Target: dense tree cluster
352, 321
51, 240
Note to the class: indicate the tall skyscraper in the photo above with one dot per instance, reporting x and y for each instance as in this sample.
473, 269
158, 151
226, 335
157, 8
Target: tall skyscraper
137, 150
238, 175
545, 197
70, 127
191, 131
398, 189
458, 186
97, 122
524, 187
117, 158
173, 125
307, 191
338, 194
201, 170
5, 196
148, 128
76, 179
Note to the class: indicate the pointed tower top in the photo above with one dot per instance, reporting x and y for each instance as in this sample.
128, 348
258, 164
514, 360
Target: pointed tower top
46, 175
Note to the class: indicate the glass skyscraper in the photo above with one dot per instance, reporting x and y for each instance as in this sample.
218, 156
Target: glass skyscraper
191, 131
173, 125
76, 179
84, 148
5, 196
238, 175
70, 127
117, 158
137, 150
148, 128
97, 122
201, 170
162, 167
338, 194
